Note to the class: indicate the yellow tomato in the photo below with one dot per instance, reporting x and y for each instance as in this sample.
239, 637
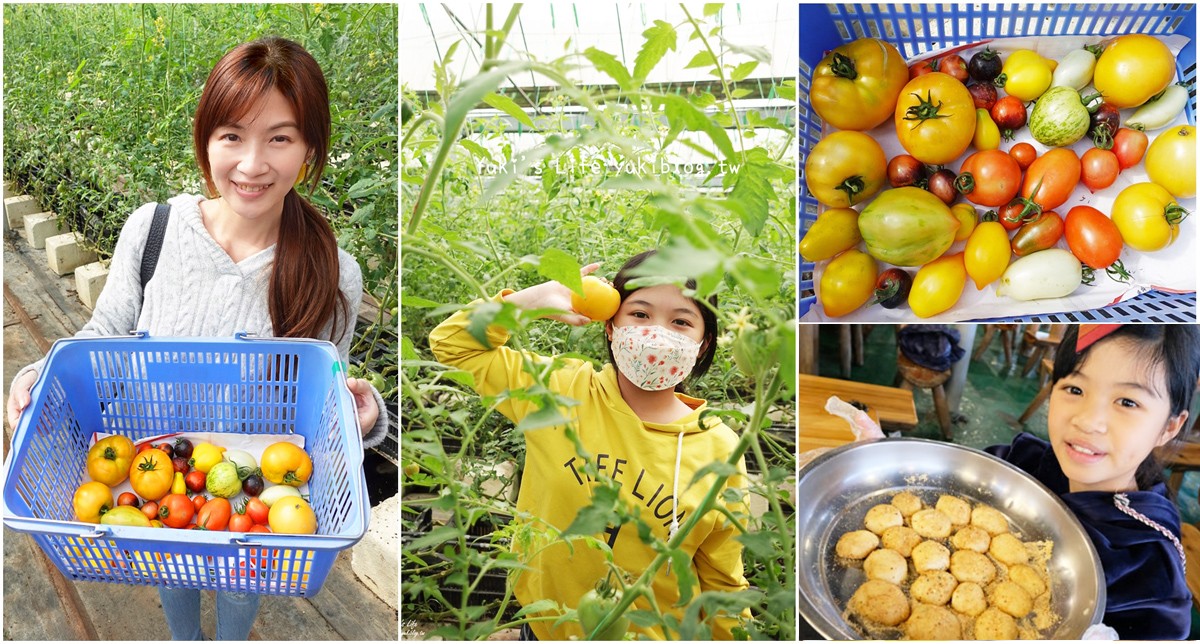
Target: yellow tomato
109, 459
1147, 216
965, 214
285, 463
125, 515
1027, 75
987, 253
91, 501
205, 456
935, 118
834, 231
845, 168
151, 473
1133, 69
1171, 161
847, 283
987, 133
937, 286
292, 515
599, 302
855, 87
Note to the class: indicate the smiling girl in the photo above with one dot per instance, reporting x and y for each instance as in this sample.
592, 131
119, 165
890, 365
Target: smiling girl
1118, 393
637, 427
251, 256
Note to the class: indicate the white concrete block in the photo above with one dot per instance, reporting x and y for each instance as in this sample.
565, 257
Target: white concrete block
15, 209
66, 252
39, 226
375, 558
495, 480
89, 281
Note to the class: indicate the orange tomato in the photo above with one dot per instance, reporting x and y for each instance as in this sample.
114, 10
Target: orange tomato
599, 301
176, 510
151, 473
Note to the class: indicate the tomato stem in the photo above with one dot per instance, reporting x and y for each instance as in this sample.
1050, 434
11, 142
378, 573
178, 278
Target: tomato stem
1117, 271
1000, 80
965, 183
843, 66
1175, 213
852, 186
924, 109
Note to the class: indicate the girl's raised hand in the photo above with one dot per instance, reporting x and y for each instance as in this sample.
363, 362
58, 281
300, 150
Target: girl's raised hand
552, 295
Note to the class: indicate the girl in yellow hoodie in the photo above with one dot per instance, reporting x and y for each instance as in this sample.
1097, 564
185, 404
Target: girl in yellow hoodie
634, 427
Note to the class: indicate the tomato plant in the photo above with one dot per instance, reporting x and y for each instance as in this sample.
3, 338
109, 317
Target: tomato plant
594, 606
935, 118
856, 85
845, 168
989, 178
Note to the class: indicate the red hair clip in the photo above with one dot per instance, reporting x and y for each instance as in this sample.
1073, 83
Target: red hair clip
1090, 333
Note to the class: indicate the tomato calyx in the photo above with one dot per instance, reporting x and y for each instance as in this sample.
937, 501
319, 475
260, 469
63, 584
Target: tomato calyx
1117, 272
148, 465
1000, 80
990, 215
1175, 213
843, 66
110, 453
924, 109
1019, 211
965, 183
853, 187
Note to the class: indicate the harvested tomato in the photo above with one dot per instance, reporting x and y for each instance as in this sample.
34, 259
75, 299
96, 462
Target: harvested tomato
1130, 146
195, 480
150, 509
1026, 75
855, 86
109, 459
1010, 115
166, 448
907, 227
892, 287
240, 523
847, 283
91, 501
1092, 237
198, 501
989, 178
1013, 215
967, 219
151, 474
941, 185
257, 510
176, 510
1132, 69
1051, 178
599, 302
1105, 121
845, 168
1040, 233
1099, 168
215, 514
987, 253
1147, 216
130, 499
905, 170
286, 463
834, 231
292, 515
984, 94
1171, 161
1024, 154
922, 67
935, 118
985, 66
938, 285
954, 66
180, 464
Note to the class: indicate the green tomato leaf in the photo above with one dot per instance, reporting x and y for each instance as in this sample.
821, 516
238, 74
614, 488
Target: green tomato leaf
609, 65
660, 39
509, 107
556, 265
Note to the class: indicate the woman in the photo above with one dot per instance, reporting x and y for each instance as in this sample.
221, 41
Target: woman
253, 256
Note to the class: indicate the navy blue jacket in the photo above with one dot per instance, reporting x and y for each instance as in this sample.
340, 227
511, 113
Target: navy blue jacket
1148, 597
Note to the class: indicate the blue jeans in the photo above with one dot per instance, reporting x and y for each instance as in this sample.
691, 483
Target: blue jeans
235, 613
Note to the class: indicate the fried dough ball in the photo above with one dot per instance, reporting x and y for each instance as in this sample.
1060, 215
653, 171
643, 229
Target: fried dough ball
1011, 598
880, 601
932, 623
968, 598
857, 544
989, 519
900, 538
995, 624
1027, 578
882, 517
930, 555
908, 503
931, 524
933, 587
886, 565
968, 565
971, 538
1008, 550
957, 509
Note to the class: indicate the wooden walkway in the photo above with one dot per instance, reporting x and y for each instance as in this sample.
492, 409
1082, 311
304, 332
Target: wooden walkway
40, 604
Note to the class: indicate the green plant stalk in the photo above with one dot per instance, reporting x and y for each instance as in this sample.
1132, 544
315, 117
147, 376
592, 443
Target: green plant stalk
786, 537
425, 116
494, 43
643, 585
724, 81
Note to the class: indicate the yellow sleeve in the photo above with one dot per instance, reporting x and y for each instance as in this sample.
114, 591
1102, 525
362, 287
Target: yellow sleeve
719, 566
495, 370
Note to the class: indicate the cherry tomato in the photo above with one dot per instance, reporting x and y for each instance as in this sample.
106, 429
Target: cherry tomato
1010, 115
984, 94
847, 283
1016, 213
1051, 178
989, 178
922, 67
1092, 237
166, 448
938, 285
935, 118
892, 287
1106, 120
240, 523
1129, 145
955, 66
257, 510
967, 219
905, 170
198, 501
1099, 168
1040, 233
1026, 75
176, 510
987, 253
195, 480
985, 66
941, 185
129, 498
150, 509
1024, 153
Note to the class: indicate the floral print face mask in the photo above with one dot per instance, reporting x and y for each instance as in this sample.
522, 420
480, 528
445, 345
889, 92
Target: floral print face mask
652, 357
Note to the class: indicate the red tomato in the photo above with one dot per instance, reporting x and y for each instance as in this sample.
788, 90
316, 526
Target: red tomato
240, 523
923, 67
215, 514
1016, 213
1024, 153
1051, 178
1099, 168
1129, 146
1010, 115
176, 510
989, 178
198, 501
150, 509
955, 66
1092, 237
1040, 233
129, 498
260, 527
257, 510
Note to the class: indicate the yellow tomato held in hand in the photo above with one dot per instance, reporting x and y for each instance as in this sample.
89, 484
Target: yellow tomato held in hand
935, 118
855, 87
284, 463
834, 231
91, 501
937, 286
1171, 161
109, 459
1132, 69
845, 168
1147, 216
292, 515
847, 283
599, 302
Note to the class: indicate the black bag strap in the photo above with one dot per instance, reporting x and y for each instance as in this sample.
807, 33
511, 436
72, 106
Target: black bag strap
154, 241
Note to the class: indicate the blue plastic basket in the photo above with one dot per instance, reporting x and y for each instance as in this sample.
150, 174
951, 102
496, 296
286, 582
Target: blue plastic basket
142, 387
824, 27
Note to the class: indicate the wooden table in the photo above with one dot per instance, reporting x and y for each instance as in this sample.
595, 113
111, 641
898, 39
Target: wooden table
819, 428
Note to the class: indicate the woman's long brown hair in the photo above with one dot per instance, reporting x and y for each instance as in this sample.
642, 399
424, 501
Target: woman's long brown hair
303, 295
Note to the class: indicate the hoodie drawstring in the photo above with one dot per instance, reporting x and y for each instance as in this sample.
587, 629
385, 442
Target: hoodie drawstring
675, 489
1122, 503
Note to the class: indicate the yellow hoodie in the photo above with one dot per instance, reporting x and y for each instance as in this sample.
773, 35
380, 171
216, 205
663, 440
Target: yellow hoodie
639, 456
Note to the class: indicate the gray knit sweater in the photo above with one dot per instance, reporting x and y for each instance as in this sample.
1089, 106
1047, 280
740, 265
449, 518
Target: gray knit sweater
198, 290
